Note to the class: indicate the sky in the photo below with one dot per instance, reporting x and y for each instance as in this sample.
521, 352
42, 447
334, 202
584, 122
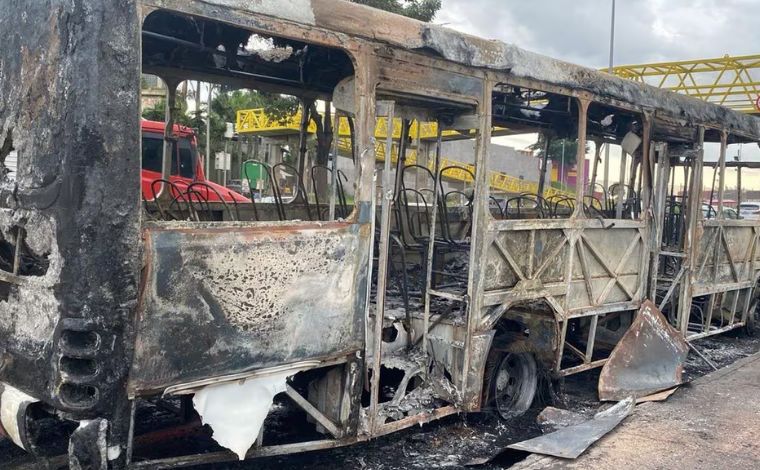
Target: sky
645, 31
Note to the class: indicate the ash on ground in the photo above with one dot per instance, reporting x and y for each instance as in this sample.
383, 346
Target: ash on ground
456, 441
452, 442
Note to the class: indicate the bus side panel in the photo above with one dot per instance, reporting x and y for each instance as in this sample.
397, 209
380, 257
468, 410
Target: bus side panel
69, 108
220, 301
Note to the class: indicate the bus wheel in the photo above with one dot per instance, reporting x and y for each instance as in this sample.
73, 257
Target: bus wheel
511, 382
753, 320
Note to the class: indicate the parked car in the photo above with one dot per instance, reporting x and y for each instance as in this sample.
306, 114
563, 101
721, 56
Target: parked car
709, 212
749, 210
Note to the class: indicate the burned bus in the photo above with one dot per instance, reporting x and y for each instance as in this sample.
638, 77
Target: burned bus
290, 324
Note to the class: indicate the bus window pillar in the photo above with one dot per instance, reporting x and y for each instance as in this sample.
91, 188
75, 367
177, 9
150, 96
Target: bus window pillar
472, 388
580, 157
692, 220
659, 204
647, 165
722, 174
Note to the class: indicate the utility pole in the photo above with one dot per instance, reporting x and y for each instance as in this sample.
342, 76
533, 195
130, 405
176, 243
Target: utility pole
612, 36
607, 146
208, 130
562, 167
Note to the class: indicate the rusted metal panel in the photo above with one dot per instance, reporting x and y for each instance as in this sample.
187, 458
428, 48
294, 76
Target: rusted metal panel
648, 358
408, 77
727, 254
226, 300
586, 265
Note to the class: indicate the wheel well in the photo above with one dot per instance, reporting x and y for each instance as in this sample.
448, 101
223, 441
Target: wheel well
519, 330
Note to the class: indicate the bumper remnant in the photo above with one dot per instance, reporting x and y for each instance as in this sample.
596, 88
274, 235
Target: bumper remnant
649, 358
13, 407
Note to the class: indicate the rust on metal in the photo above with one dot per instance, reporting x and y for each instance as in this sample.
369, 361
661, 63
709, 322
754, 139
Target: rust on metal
649, 358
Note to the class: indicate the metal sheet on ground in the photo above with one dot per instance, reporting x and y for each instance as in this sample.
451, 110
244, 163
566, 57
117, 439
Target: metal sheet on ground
649, 358
572, 441
659, 396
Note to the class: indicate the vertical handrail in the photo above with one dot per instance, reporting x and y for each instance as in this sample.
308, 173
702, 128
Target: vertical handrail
315, 187
621, 186
722, 175
333, 160
341, 204
692, 219
431, 239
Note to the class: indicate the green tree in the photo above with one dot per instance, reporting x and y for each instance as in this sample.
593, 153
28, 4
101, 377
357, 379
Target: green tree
557, 148
158, 110
423, 10
279, 107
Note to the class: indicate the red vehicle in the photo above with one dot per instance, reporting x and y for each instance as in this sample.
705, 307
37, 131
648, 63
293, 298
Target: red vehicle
187, 167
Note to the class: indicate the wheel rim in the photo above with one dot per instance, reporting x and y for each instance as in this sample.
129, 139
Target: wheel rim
515, 384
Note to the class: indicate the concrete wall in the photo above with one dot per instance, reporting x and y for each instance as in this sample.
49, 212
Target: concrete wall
503, 159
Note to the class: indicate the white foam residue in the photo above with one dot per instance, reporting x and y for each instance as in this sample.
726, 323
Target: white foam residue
236, 411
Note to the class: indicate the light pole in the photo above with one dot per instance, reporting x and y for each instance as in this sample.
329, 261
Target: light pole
562, 167
208, 131
607, 146
612, 36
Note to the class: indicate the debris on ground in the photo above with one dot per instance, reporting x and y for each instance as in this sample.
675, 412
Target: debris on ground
659, 396
452, 442
552, 419
571, 441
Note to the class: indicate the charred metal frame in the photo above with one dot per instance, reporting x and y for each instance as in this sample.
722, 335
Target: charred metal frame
718, 257
110, 296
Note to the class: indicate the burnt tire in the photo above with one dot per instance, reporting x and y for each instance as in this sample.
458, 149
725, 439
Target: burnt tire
511, 381
753, 320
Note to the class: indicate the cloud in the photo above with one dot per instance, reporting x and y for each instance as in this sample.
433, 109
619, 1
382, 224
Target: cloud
646, 30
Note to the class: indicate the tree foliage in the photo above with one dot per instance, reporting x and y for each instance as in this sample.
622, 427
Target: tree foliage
278, 107
423, 10
558, 148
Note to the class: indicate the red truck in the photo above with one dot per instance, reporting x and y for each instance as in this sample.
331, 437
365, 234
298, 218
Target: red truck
187, 166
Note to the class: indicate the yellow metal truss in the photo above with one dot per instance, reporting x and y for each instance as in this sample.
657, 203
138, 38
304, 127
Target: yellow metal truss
257, 122
731, 81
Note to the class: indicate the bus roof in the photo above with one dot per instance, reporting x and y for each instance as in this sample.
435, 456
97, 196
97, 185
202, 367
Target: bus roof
380, 26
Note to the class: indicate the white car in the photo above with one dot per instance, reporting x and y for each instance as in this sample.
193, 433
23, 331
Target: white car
749, 210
